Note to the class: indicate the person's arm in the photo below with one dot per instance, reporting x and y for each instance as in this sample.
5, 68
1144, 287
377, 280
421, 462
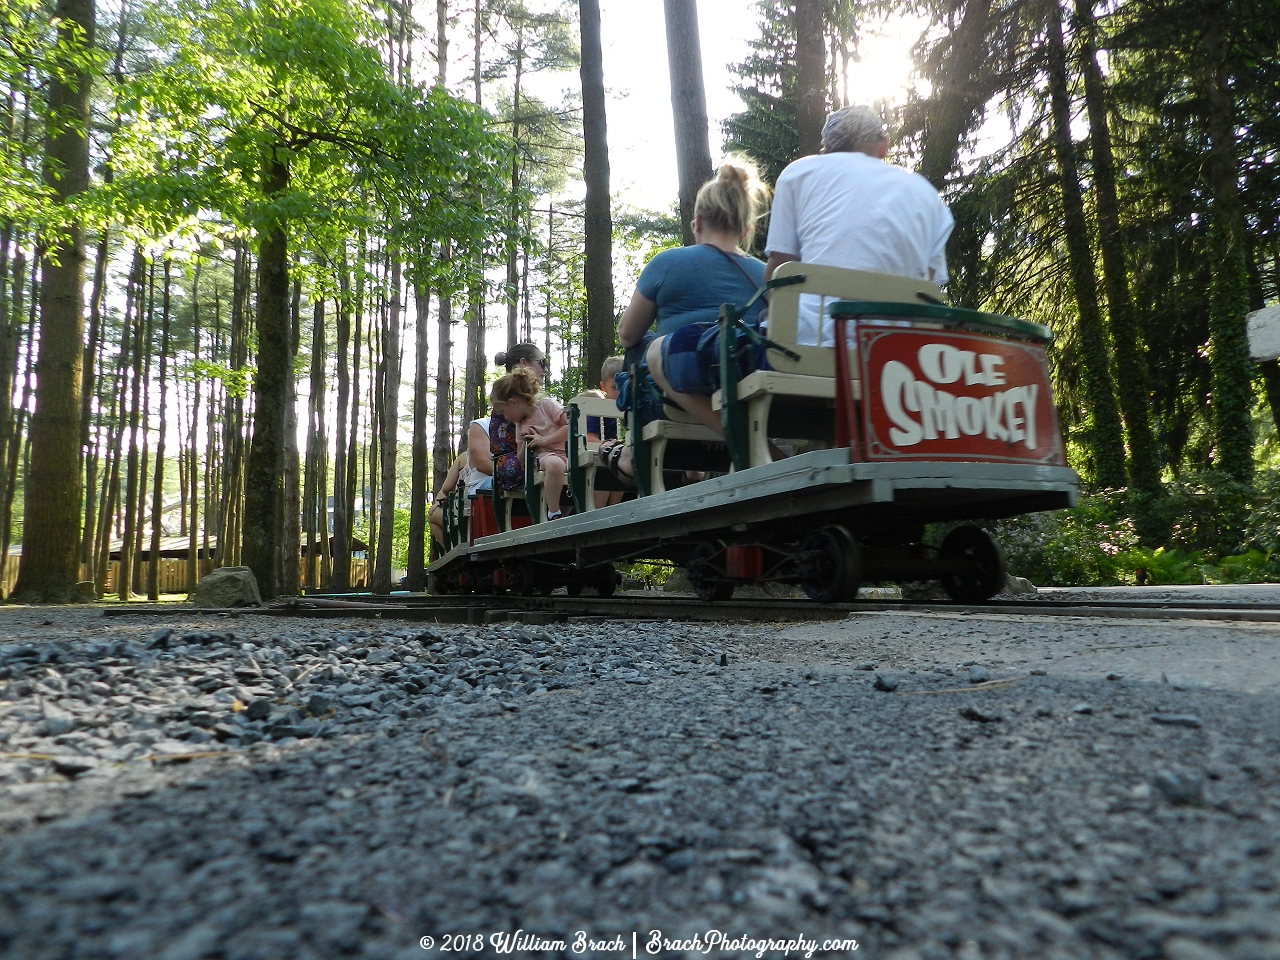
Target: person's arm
551, 441
478, 450
783, 242
637, 318
557, 437
451, 478
775, 261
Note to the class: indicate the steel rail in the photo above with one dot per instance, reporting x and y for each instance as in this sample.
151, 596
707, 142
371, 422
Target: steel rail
477, 609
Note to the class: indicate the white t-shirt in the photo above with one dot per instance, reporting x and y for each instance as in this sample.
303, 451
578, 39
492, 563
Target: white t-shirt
472, 477
854, 211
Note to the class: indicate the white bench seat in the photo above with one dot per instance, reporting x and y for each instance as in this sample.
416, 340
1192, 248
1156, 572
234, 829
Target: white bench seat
796, 399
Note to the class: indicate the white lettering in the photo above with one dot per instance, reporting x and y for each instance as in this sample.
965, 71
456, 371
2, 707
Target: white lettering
991, 376
1017, 424
940, 362
896, 385
993, 415
1029, 405
969, 415
937, 412
1007, 415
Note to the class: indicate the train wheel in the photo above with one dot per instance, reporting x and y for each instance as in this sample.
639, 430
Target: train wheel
984, 576
606, 581
525, 581
703, 574
835, 566
712, 591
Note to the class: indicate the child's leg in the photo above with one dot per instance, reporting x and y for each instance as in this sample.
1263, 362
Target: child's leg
435, 517
553, 482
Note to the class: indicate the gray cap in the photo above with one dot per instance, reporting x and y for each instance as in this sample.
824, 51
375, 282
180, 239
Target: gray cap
852, 127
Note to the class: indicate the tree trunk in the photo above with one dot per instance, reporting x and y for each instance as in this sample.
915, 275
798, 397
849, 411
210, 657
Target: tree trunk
88, 441
111, 468
473, 400
811, 78
688, 108
51, 535
340, 578
16, 436
263, 482
314, 482
290, 505
1232, 372
381, 580
140, 506
473, 378
442, 41
353, 438
1106, 439
513, 224
10, 340
1131, 364
124, 575
960, 94
157, 494
597, 225
193, 456
415, 573
443, 446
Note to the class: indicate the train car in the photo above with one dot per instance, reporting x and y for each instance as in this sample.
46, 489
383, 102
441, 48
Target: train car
896, 412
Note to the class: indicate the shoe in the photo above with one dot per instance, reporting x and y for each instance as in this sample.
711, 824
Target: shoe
609, 456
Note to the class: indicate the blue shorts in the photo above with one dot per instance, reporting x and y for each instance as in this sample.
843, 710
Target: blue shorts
691, 359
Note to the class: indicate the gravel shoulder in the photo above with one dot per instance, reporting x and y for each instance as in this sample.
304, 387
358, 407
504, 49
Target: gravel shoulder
253, 788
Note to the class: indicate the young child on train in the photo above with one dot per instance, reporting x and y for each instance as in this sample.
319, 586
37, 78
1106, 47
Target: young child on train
606, 428
541, 425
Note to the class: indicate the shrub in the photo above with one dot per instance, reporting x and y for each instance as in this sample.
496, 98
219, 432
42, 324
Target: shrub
1077, 547
1163, 566
1262, 530
1207, 515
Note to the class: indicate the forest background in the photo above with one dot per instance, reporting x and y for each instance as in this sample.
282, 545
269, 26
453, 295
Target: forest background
253, 254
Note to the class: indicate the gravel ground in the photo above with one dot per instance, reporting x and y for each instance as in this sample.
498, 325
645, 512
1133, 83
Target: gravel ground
1016, 787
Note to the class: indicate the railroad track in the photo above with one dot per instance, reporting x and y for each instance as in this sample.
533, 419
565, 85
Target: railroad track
479, 609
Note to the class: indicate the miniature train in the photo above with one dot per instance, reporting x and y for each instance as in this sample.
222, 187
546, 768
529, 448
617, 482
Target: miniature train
925, 413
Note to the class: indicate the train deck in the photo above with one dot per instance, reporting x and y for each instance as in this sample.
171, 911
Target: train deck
818, 487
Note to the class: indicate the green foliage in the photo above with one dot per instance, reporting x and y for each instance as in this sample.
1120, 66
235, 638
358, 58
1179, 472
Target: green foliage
1079, 546
1262, 530
766, 129
303, 78
236, 382
651, 575
399, 536
1207, 512
1095, 543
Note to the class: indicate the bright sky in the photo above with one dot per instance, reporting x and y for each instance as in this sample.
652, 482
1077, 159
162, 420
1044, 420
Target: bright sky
641, 138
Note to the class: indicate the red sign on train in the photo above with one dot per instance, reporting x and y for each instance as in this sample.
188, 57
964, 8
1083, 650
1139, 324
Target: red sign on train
930, 395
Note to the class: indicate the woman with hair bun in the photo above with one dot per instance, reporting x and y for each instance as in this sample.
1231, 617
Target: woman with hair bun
524, 355
683, 290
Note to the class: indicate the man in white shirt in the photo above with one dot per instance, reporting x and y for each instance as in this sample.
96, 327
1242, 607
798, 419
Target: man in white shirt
846, 207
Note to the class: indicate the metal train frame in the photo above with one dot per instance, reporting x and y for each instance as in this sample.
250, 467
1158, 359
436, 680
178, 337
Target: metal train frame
950, 418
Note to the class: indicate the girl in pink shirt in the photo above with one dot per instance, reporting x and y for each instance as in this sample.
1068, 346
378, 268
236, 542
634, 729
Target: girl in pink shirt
540, 424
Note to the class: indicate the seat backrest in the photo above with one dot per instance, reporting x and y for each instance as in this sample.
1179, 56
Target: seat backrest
823, 285
590, 405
